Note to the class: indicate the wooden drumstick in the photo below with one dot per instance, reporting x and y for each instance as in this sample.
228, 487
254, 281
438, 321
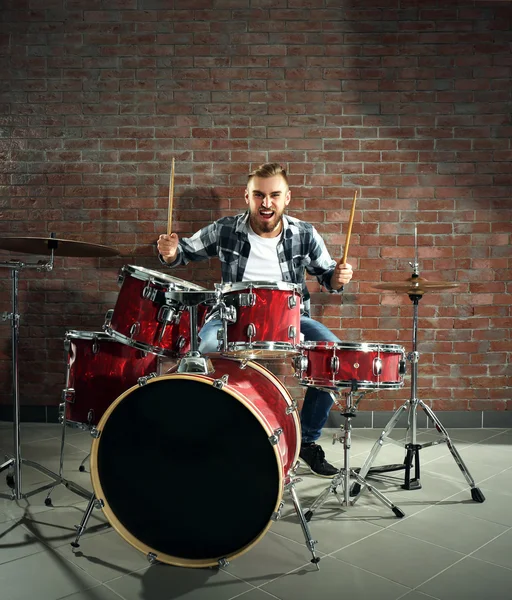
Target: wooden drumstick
351, 220
171, 198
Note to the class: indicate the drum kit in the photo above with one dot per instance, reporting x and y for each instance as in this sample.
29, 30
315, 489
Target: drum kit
220, 482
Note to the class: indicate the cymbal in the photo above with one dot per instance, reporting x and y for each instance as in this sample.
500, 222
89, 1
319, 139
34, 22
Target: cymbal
41, 245
415, 286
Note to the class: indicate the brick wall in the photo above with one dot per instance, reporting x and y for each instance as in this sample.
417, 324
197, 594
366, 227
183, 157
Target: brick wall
407, 101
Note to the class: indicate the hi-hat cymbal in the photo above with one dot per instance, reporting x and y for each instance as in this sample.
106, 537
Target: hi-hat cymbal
40, 245
415, 286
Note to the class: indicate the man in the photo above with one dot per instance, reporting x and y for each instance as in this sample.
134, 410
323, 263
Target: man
263, 244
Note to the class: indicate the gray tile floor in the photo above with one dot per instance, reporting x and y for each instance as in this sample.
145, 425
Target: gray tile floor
447, 547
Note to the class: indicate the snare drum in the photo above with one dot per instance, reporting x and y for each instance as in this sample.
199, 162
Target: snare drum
145, 318
340, 364
215, 485
98, 370
260, 319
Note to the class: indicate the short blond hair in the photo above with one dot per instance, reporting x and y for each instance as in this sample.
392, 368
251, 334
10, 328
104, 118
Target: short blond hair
268, 170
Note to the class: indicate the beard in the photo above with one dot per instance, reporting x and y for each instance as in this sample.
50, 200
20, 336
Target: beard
261, 224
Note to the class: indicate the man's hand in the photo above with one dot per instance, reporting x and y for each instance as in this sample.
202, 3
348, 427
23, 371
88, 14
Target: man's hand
342, 274
168, 247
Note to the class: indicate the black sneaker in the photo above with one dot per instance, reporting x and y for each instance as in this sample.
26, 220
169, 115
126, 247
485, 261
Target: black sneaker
314, 457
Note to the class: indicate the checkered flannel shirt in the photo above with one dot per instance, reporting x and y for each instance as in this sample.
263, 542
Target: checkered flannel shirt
300, 249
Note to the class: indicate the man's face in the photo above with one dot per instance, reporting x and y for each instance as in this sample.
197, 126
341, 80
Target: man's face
267, 198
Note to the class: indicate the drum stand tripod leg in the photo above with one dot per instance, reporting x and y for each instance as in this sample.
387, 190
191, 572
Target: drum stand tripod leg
93, 503
310, 542
343, 476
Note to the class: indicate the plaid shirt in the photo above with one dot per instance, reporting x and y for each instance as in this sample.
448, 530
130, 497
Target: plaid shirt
300, 249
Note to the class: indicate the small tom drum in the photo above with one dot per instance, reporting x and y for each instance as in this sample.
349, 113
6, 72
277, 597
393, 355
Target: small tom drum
260, 319
145, 318
211, 485
341, 364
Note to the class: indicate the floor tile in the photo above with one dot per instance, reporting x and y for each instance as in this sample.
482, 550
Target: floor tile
100, 592
497, 551
165, 582
271, 558
333, 581
470, 579
45, 576
449, 529
410, 563
105, 556
16, 542
495, 508
57, 527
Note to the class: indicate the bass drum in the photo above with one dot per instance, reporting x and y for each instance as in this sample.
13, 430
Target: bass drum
190, 468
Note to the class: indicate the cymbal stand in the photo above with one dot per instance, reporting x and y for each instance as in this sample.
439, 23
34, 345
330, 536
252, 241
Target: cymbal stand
346, 472
412, 447
14, 477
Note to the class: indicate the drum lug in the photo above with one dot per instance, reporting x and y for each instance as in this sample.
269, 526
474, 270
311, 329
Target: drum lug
98, 503
301, 364
108, 318
377, 366
402, 367
166, 314
134, 329
68, 395
152, 558
251, 331
95, 345
274, 439
220, 383
335, 364
293, 407
243, 363
292, 302
120, 278
292, 332
143, 380
95, 433
276, 515
223, 562
247, 299
149, 293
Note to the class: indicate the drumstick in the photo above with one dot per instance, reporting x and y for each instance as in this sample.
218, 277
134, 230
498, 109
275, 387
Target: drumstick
351, 220
171, 197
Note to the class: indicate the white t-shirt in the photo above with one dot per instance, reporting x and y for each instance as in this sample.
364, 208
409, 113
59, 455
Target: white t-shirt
263, 264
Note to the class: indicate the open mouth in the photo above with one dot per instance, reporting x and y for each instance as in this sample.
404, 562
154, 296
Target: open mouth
266, 214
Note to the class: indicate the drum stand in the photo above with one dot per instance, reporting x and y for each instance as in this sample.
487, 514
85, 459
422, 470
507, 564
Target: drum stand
14, 464
195, 362
412, 447
346, 473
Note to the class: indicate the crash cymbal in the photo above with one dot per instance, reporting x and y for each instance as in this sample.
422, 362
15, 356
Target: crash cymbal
41, 245
415, 286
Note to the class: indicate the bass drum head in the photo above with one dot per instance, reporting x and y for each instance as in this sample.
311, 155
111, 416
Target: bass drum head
188, 493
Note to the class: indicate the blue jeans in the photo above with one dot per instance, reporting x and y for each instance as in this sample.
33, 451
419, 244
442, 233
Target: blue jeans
317, 403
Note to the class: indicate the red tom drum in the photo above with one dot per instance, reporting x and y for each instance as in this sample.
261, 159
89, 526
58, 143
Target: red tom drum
219, 449
261, 319
145, 318
340, 364
99, 369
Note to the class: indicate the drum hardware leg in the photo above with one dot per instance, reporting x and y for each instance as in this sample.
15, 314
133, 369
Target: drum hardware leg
81, 468
93, 503
411, 446
346, 473
310, 542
